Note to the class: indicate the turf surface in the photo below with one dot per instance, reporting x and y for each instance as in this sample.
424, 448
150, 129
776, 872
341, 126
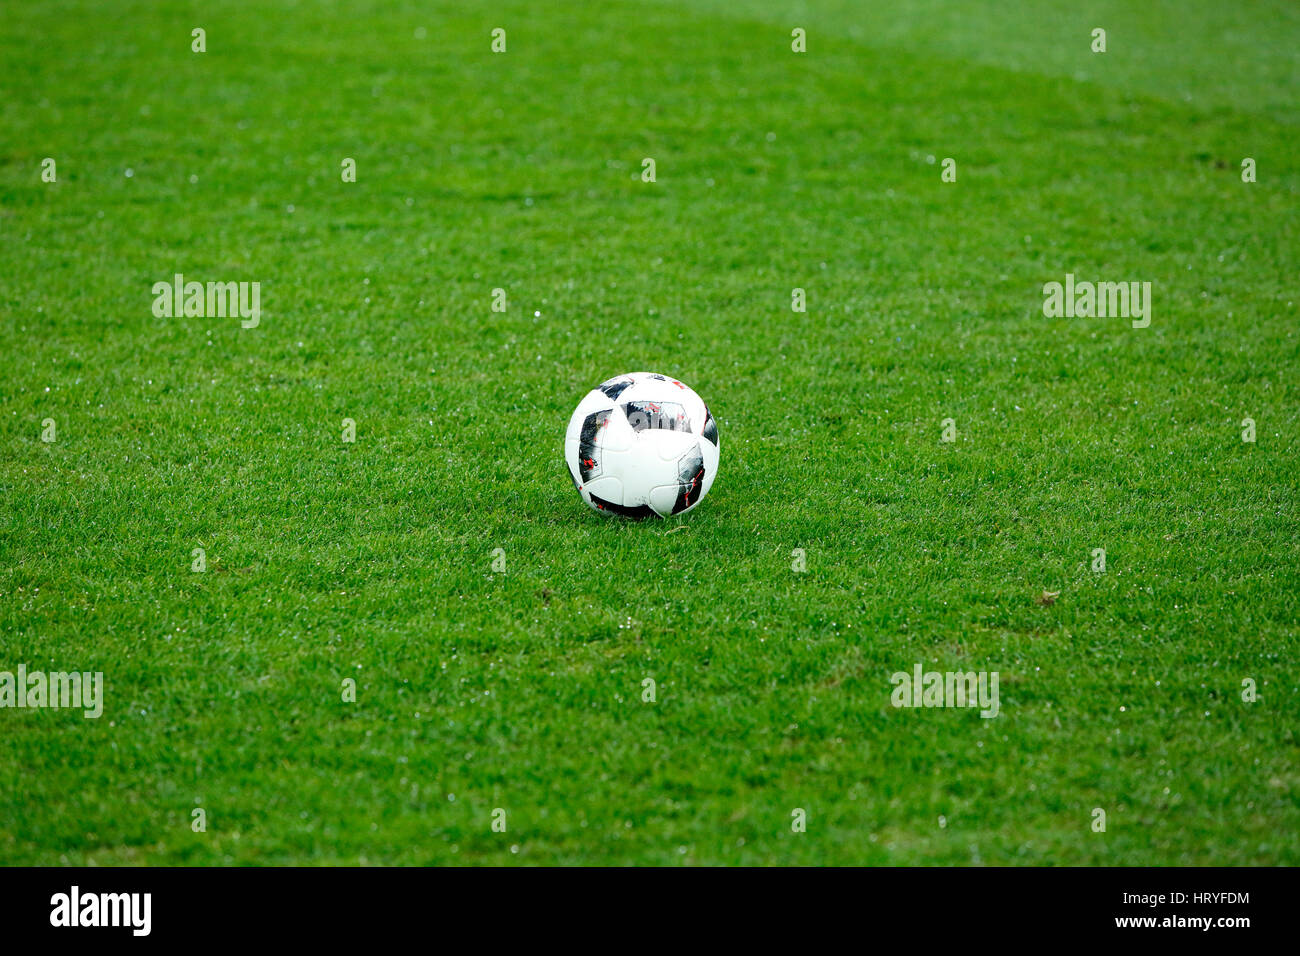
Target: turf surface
522, 690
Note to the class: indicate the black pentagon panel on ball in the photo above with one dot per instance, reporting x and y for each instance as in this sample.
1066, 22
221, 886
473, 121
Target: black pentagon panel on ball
690, 479
639, 511
710, 427
666, 415
588, 453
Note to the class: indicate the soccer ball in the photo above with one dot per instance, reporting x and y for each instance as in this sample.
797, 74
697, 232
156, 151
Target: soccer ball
642, 444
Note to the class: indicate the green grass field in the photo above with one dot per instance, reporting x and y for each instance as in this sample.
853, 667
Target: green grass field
522, 690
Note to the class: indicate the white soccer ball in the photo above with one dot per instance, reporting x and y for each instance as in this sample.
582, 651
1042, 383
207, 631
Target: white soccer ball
642, 444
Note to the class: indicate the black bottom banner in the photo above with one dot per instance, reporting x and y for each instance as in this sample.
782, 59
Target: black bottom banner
943, 906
